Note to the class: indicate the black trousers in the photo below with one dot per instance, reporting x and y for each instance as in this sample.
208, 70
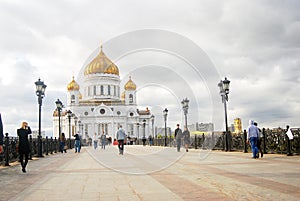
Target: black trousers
121, 146
24, 163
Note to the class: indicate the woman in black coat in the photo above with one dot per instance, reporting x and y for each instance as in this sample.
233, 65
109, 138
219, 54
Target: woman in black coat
24, 147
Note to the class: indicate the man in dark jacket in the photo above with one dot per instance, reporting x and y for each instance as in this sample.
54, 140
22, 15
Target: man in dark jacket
178, 137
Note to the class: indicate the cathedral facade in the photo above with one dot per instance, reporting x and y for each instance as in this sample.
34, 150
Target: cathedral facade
100, 104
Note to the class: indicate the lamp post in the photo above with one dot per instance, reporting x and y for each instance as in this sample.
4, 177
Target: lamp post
138, 132
59, 107
144, 128
152, 125
69, 113
185, 107
165, 113
75, 128
224, 91
40, 92
144, 132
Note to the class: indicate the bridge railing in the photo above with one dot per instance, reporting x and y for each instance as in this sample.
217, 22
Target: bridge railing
11, 152
273, 141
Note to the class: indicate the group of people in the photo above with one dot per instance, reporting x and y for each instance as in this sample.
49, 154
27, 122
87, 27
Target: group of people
102, 140
254, 138
179, 136
185, 136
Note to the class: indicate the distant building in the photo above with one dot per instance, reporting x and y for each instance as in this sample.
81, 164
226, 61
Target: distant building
205, 127
238, 125
35, 134
161, 131
231, 128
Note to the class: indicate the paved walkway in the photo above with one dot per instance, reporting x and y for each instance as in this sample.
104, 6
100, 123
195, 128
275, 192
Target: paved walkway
153, 173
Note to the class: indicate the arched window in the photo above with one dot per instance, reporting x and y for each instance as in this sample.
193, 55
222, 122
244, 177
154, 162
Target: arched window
73, 98
108, 89
115, 90
130, 98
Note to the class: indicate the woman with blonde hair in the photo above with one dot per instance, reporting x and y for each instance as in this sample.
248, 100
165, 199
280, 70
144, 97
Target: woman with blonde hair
24, 147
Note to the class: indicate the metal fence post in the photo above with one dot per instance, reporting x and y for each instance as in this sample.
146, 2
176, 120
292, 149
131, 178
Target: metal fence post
51, 145
6, 150
203, 139
47, 146
55, 145
245, 142
264, 140
31, 145
289, 150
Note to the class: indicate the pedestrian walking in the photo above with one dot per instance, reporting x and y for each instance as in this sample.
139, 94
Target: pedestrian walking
178, 137
121, 137
95, 141
24, 147
144, 140
259, 142
1, 135
77, 143
62, 143
186, 138
253, 135
103, 140
150, 138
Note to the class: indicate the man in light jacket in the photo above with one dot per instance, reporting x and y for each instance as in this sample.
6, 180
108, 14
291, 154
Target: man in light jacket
121, 137
252, 136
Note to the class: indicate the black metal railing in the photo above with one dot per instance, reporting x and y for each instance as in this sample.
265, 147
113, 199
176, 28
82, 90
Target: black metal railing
11, 153
273, 141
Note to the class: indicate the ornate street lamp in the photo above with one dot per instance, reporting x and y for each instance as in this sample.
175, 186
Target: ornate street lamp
59, 107
144, 128
224, 91
75, 119
138, 132
185, 107
152, 124
165, 113
144, 132
40, 92
69, 113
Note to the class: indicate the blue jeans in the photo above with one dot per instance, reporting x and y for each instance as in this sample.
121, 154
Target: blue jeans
77, 146
253, 142
95, 144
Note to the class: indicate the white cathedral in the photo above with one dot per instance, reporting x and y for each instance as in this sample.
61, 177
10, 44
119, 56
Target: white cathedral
97, 105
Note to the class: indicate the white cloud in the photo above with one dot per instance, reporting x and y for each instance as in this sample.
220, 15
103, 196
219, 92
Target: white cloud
254, 43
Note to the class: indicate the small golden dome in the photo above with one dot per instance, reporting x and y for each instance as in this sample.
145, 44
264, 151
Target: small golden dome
123, 95
101, 64
55, 113
73, 85
130, 85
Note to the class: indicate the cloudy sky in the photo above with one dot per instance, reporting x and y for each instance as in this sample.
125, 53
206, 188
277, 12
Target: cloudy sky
172, 50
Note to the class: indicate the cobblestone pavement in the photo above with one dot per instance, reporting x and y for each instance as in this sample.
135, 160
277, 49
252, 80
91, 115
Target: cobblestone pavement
153, 173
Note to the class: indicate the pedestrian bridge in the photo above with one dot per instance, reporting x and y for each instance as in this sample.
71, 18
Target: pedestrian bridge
153, 173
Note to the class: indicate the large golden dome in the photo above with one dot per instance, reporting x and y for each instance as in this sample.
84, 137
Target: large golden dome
73, 85
130, 85
101, 64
